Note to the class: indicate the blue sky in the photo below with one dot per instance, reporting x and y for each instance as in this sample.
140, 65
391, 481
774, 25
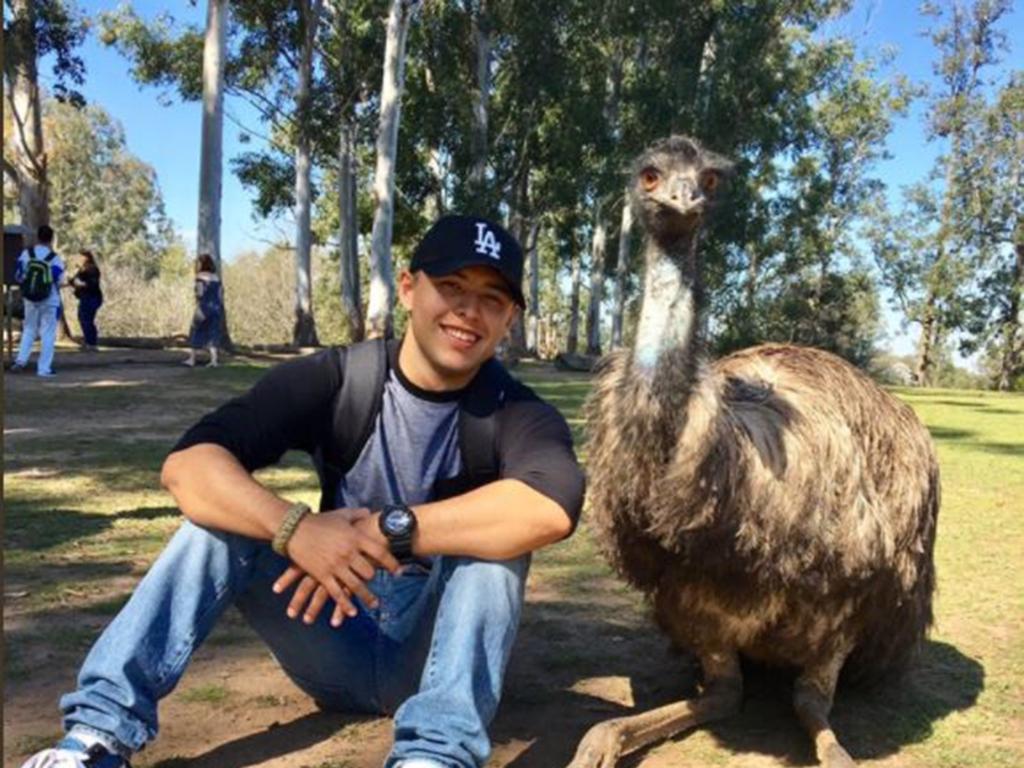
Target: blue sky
167, 137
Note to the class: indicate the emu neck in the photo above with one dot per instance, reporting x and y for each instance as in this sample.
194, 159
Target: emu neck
664, 359
666, 337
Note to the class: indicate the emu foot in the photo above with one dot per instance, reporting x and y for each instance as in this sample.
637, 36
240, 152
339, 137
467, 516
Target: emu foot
600, 747
837, 757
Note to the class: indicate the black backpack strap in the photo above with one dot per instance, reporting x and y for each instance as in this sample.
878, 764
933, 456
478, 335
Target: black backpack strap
364, 370
478, 432
358, 403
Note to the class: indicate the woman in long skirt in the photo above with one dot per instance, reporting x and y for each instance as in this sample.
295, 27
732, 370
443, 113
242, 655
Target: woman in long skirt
206, 321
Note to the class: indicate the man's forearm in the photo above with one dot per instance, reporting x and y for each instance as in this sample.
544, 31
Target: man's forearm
498, 521
214, 490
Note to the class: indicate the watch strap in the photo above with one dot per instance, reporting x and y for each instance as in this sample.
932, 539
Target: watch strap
400, 544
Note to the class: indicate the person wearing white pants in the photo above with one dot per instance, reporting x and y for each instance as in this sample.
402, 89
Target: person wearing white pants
41, 321
40, 316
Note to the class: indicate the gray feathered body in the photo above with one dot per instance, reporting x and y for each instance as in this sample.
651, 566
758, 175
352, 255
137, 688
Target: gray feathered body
785, 507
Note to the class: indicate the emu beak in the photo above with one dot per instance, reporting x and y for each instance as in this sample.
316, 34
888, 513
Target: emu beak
682, 196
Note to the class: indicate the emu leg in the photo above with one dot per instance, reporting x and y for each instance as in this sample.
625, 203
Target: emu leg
812, 699
606, 742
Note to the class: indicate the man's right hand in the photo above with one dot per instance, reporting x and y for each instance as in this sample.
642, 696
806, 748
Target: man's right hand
333, 559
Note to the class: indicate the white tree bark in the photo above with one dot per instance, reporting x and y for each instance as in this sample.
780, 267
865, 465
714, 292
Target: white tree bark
211, 149
621, 268
29, 161
304, 332
382, 280
533, 311
597, 255
572, 343
482, 37
351, 300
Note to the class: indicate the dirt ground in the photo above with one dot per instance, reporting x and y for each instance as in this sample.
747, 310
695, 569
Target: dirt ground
586, 652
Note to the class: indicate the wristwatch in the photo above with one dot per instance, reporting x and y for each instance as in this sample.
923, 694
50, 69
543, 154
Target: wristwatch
398, 523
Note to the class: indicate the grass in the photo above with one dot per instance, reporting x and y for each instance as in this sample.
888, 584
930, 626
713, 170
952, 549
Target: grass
84, 517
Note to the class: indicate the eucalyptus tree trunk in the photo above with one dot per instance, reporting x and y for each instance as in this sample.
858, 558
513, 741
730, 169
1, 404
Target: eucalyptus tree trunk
1012, 357
621, 270
520, 227
597, 257
572, 343
351, 298
435, 204
382, 280
927, 342
304, 331
28, 166
211, 147
533, 300
931, 324
481, 97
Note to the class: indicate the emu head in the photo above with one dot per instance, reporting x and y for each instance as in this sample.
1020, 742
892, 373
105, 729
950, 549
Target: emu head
674, 183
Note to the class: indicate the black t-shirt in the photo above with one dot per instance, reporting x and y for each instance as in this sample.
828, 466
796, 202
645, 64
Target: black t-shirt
292, 404
90, 279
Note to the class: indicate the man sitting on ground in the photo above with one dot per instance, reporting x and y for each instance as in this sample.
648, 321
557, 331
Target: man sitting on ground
404, 594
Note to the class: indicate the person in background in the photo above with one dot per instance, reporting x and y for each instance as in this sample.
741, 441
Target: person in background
206, 321
42, 267
85, 284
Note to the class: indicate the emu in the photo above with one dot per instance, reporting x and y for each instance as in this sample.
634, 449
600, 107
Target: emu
775, 504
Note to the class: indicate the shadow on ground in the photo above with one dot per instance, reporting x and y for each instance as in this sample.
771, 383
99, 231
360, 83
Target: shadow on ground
276, 741
546, 707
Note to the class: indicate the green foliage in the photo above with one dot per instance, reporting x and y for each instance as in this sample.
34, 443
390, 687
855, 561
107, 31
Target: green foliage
102, 197
53, 28
932, 259
161, 54
577, 89
995, 316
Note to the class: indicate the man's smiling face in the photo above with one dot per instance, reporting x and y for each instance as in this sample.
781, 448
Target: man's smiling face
455, 323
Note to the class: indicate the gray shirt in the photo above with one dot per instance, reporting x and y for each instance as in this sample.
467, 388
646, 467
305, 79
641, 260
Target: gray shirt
415, 442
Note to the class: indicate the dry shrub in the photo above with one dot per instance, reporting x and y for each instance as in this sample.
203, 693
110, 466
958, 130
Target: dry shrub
134, 306
259, 291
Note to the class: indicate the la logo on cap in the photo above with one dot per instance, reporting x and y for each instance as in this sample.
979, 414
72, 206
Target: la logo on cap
486, 242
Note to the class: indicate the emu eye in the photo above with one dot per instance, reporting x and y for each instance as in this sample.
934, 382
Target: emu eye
649, 179
709, 182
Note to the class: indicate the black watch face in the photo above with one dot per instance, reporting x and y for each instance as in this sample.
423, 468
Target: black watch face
396, 521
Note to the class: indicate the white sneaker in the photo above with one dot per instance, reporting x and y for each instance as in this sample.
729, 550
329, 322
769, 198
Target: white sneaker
71, 753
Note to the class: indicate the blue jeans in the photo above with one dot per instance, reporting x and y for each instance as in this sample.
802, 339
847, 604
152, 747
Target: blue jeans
88, 306
433, 652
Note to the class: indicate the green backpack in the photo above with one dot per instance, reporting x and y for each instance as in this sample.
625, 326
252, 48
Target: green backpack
38, 279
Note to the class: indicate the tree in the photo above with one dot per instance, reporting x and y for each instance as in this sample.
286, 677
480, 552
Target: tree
382, 281
305, 328
998, 314
597, 265
806, 279
969, 43
212, 131
32, 30
101, 196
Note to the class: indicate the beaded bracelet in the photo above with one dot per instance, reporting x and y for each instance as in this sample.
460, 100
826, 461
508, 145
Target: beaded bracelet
291, 521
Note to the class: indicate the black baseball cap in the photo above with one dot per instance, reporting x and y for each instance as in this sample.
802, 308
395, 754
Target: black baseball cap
456, 242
